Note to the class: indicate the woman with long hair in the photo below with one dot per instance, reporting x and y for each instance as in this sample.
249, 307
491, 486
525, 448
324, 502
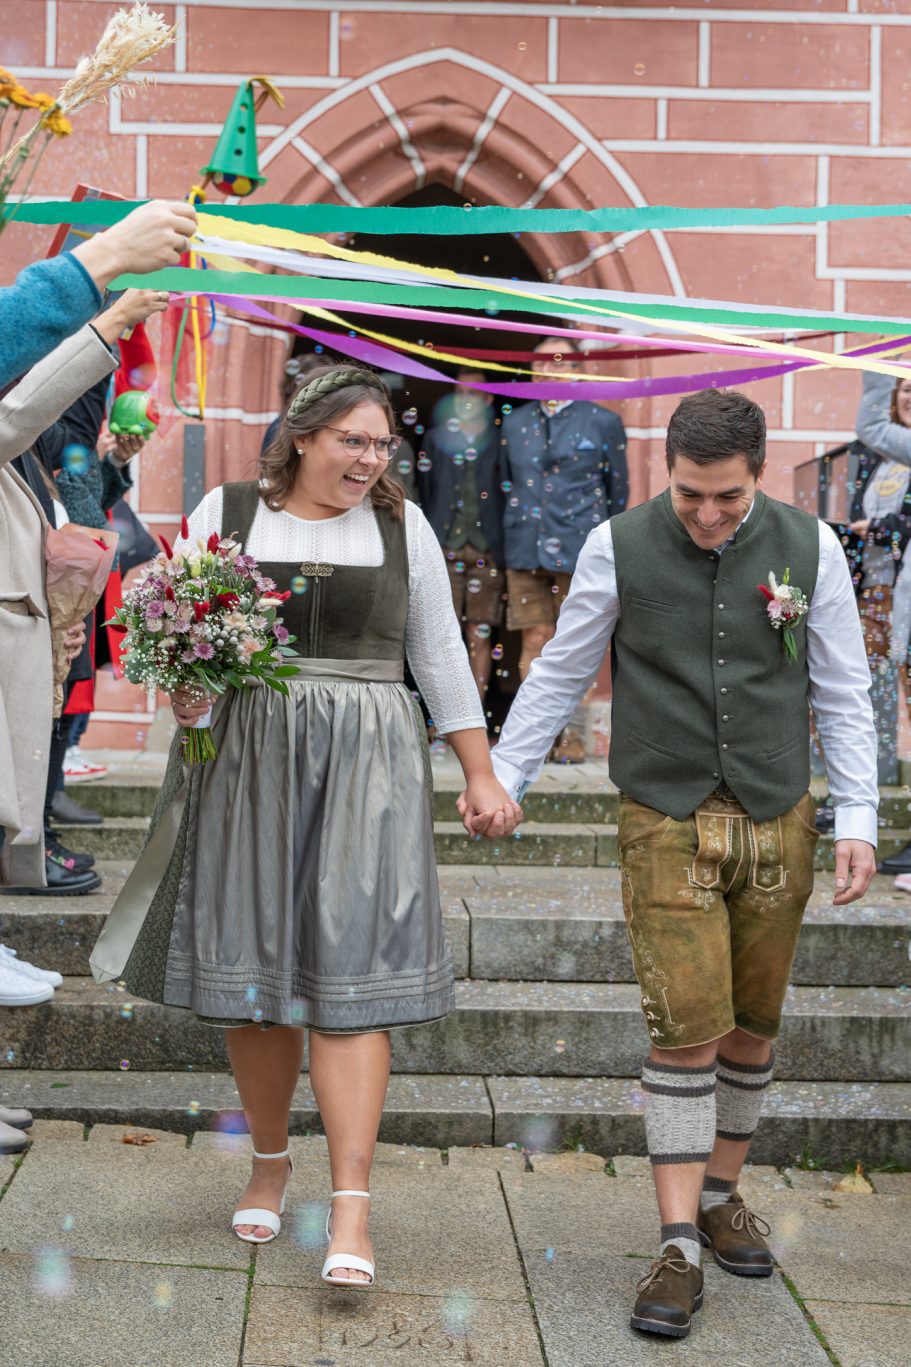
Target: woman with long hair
295, 875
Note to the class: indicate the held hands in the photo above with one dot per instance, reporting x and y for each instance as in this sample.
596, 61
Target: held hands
487, 809
188, 705
855, 865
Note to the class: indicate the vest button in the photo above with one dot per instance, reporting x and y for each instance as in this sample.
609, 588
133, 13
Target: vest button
716, 774
724, 747
721, 607
721, 635
725, 718
724, 690
721, 662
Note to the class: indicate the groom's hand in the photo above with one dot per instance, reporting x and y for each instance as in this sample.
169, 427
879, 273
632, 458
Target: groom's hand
855, 865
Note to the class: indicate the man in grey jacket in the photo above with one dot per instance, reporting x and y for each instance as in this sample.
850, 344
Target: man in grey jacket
566, 473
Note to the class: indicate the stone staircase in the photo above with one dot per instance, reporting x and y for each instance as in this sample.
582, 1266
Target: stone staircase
547, 1040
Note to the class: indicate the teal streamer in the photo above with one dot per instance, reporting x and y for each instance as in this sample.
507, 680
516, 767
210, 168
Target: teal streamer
182, 280
449, 220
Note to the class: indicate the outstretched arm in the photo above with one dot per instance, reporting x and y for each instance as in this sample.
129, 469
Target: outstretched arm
874, 425
563, 673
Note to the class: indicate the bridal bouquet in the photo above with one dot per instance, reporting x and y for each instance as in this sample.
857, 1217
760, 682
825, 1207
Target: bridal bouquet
203, 621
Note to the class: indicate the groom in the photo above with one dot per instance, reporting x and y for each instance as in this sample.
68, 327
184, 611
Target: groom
710, 749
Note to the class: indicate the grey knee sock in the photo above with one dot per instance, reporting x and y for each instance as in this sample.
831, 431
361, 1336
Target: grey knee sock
715, 1191
679, 1112
740, 1092
686, 1238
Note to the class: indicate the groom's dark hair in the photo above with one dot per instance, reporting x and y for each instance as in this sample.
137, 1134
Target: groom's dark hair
716, 424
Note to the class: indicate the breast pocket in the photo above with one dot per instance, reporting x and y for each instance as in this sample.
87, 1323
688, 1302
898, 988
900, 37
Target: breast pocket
652, 605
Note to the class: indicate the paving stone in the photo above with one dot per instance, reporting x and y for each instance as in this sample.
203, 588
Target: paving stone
565, 1164
414, 1157
573, 1233
435, 1233
487, 1156
127, 1203
58, 1129
812, 1180
122, 1134
865, 1335
457, 926
891, 1183
840, 1247
57, 1310
290, 1326
632, 1166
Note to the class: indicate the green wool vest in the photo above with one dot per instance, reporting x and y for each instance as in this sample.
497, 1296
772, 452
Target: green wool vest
703, 691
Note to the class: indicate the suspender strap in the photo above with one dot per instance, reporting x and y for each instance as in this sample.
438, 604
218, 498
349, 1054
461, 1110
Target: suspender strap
239, 504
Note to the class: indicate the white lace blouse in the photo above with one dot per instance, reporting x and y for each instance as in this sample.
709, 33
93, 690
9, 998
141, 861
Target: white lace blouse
433, 639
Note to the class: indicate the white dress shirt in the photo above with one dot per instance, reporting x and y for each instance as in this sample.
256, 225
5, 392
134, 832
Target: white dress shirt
839, 691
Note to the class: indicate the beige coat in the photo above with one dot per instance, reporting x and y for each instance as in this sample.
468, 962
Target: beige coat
26, 685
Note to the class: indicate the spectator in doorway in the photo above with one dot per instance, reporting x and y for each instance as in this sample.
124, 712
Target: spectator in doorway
458, 485
881, 515
566, 463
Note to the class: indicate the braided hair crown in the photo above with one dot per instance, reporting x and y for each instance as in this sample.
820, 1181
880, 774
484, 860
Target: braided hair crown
340, 377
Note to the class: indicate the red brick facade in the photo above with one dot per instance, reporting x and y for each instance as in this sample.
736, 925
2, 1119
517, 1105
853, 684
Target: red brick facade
544, 104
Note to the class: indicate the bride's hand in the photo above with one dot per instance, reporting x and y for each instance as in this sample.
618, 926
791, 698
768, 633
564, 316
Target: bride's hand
188, 705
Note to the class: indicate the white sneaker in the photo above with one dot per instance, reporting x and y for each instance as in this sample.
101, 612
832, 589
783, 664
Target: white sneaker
41, 975
76, 769
18, 990
11, 1139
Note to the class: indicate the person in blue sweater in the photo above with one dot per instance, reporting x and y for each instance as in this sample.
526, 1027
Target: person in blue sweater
50, 300
566, 472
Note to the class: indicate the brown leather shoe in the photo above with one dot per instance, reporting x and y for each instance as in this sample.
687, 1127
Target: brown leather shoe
735, 1236
569, 748
667, 1295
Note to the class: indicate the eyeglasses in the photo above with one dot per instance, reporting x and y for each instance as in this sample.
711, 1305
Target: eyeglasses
360, 442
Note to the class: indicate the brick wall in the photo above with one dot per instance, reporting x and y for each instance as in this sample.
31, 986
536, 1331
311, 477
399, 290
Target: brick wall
558, 105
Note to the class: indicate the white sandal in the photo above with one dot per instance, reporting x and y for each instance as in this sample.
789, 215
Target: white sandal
255, 1215
346, 1259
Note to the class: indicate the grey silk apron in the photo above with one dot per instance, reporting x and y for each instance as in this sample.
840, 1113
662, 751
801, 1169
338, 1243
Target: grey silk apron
292, 880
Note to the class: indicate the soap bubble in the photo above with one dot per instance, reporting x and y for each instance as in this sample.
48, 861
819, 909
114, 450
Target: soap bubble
310, 1224
535, 511
471, 453
458, 458
126, 1011
52, 1274
553, 545
404, 467
639, 69
474, 586
507, 408
161, 1297
75, 459
298, 584
560, 1046
497, 652
424, 463
453, 425
483, 630
459, 567
124, 1065
193, 1108
410, 417
506, 486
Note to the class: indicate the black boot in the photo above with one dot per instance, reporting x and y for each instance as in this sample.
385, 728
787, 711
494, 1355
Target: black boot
67, 859
899, 862
69, 812
61, 882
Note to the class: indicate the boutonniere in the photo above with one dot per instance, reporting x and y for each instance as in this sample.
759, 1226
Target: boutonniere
785, 604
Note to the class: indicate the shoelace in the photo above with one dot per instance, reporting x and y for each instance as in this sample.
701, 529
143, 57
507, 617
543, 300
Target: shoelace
745, 1222
667, 1260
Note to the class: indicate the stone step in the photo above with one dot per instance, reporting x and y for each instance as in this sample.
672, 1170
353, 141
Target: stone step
556, 799
839, 1122
438, 1111
528, 924
545, 844
550, 1028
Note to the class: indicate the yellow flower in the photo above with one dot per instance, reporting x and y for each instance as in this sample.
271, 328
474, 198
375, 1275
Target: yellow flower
43, 101
21, 98
55, 123
6, 89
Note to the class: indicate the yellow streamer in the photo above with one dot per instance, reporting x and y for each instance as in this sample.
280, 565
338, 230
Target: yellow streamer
258, 235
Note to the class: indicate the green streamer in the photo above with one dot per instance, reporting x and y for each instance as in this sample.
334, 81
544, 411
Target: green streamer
178, 280
470, 221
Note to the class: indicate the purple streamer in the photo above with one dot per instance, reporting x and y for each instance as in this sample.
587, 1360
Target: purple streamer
372, 353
